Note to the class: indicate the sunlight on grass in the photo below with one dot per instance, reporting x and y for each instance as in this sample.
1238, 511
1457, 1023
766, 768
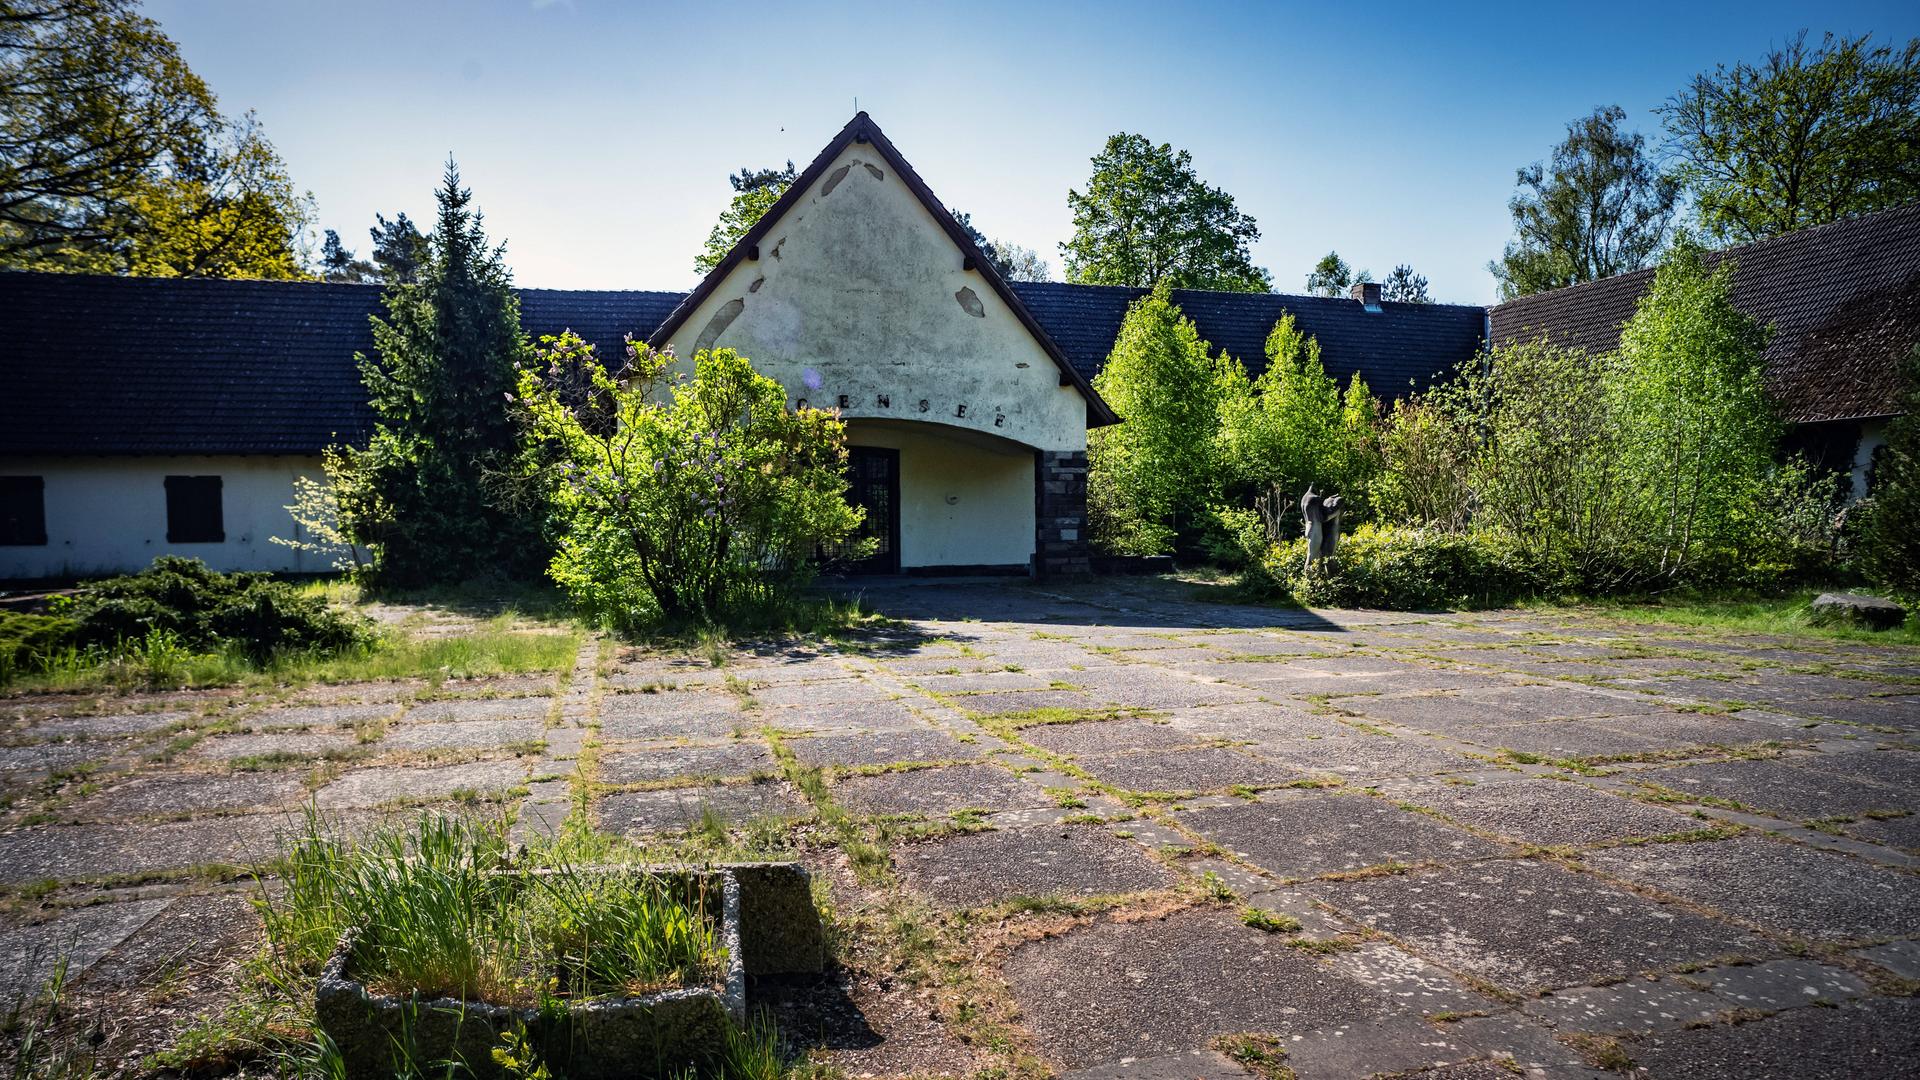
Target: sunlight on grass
1787, 615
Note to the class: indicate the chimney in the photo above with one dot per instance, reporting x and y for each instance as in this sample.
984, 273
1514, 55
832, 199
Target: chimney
1367, 292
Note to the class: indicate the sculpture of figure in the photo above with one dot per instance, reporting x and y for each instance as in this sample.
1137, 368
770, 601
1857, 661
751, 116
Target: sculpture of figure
1322, 514
1314, 509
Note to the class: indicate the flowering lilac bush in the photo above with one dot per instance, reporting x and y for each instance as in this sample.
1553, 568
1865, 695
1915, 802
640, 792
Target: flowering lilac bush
684, 501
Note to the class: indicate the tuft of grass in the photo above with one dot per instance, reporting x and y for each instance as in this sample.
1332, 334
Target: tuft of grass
1273, 922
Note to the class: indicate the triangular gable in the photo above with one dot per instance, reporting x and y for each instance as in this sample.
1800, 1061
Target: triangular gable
861, 129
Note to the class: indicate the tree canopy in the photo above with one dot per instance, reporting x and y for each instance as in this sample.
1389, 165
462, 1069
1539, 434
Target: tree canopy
114, 157
1332, 276
1600, 207
754, 193
1405, 287
1807, 136
1145, 218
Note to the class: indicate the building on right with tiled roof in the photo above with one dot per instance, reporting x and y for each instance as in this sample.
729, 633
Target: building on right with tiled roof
1843, 301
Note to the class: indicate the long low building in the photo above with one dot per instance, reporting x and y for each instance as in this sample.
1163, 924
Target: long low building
1843, 302
150, 416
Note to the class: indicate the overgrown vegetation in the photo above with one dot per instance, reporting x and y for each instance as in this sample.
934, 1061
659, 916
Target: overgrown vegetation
441, 912
1534, 471
682, 500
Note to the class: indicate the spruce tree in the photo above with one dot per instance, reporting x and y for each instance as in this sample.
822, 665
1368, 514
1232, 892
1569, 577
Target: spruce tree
433, 493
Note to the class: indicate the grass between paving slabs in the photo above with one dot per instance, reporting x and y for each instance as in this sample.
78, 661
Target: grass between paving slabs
1785, 615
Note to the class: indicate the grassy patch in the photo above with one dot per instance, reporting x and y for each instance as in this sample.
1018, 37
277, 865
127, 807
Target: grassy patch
1785, 615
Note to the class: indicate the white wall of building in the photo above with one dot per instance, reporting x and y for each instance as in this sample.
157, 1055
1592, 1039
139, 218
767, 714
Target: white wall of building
965, 499
109, 514
858, 285
1873, 436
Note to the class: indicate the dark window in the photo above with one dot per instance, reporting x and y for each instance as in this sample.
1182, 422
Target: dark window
193, 510
23, 510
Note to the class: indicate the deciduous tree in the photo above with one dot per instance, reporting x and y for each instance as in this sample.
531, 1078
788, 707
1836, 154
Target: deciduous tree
230, 211
1151, 476
1600, 207
1145, 218
1332, 276
1807, 136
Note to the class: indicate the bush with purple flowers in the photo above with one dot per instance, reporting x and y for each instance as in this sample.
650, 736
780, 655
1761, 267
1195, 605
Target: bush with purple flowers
697, 500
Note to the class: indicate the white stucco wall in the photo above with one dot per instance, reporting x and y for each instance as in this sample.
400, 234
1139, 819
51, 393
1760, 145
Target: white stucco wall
965, 499
109, 515
859, 283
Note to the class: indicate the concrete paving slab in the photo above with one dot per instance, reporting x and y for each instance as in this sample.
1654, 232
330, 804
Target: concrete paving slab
1782, 886
1109, 736
378, 786
1300, 837
91, 851
739, 758
885, 747
640, 813
464, 735
460, 709
975, 869
1528, 926
169, 794
1629, 1005
1203, 769
289, 747
105, 726
1359, 755
1783, 984
1783, 787
847, 716
1548, 811
1112, 991
1863, 1040
938, 792
32, 950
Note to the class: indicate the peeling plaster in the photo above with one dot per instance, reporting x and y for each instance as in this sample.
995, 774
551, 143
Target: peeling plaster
970, 302
833, 180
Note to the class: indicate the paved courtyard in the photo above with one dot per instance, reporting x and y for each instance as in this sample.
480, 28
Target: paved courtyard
1132, 827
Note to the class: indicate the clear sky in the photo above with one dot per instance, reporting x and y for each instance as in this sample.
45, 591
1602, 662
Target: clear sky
597, 136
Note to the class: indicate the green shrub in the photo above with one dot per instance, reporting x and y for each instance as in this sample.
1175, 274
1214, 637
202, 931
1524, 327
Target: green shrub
202, 610
1889, 529
1409, 569
29, 642
685, 501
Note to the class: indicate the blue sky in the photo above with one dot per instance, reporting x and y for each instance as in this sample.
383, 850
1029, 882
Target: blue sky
597, 136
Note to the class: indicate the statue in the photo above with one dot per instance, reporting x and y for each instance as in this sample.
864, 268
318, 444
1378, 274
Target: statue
1322, 514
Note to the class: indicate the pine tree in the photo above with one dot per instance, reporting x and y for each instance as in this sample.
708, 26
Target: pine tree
433, 492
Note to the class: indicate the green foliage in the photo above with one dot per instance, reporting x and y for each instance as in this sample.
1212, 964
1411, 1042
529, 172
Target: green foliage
232, 211
29, 642
1600, 208
1146, 218
1292, 426
437, 495
1423, 475
1384, 566
740, 216
194, 609
1890, 531
1151, 476
440, 913
114, 159
701, 501
1332, 276
1807, 136
1403, 286
1697, 431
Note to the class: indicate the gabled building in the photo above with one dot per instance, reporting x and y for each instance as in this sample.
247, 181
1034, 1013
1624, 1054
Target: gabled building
143, 417
1843, 301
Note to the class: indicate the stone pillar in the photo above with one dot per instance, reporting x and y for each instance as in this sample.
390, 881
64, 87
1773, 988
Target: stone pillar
1060, 513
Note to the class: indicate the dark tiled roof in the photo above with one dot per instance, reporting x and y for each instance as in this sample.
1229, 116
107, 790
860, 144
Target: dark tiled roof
1396, 349
1843, 301
110, 365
